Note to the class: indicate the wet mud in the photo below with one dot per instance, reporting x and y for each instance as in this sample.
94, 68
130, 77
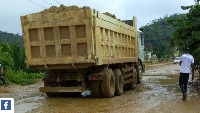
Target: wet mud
63, 8
159, 93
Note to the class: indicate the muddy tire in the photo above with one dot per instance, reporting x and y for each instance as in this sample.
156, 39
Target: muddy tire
96, 89
46, 84
108, 84
119, 82
50, 94
47, 93
133, 84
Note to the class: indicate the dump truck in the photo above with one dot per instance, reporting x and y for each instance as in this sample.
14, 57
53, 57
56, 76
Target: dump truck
82, 50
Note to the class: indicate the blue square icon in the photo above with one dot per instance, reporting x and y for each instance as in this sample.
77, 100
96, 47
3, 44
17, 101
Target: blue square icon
5, 104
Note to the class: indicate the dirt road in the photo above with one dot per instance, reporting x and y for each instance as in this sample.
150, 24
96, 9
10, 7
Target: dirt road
159, 93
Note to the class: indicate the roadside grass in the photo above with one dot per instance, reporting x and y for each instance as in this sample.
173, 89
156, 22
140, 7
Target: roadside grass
21, 77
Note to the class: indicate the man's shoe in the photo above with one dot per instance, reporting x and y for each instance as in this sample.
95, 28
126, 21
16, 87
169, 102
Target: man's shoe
184, 96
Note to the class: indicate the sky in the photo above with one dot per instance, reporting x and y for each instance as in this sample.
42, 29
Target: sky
144, 10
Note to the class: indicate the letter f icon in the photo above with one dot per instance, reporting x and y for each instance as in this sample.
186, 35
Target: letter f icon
6, 105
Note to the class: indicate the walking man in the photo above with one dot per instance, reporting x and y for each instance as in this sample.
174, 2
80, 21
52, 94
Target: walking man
1, 75
186, 62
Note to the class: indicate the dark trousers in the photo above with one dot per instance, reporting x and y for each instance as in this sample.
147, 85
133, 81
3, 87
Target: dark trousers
183, 80
3, 80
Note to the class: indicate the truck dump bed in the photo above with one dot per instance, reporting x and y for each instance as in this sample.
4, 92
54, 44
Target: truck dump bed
81, 38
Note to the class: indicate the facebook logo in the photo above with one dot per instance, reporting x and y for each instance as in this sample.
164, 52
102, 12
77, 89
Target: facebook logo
6, 105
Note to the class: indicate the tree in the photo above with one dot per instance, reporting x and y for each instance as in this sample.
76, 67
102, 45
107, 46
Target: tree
10, 38
158, 33
5, 56
18, 56
163, 50
188, 31
12, 56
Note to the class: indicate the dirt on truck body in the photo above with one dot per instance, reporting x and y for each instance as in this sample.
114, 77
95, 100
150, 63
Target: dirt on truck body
82, 49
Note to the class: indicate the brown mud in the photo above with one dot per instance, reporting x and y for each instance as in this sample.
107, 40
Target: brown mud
159, 93
63, 8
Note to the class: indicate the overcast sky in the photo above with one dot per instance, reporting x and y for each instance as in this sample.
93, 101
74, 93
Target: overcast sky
144, 10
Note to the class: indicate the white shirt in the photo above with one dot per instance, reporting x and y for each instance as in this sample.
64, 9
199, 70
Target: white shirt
186, 60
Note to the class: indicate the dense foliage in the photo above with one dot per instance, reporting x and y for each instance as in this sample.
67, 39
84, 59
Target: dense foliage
158, 34
12, 56
10, 38
188, 31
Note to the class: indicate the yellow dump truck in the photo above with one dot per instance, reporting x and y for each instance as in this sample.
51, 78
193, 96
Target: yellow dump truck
81, 50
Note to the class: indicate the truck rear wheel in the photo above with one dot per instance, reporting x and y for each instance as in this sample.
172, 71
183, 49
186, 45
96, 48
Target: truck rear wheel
47, 93
95, 87
50, 94
119, 82
46, 84
108, 84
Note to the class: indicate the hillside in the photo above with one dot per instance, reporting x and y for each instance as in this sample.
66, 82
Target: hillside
10, 38
158, 33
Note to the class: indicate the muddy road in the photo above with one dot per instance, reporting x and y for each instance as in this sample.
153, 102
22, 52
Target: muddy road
159, 93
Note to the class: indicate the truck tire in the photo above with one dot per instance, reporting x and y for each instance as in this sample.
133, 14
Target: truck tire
108, 84
133, 84
96, 89
47, 75
50, 94
47, 93
119, 82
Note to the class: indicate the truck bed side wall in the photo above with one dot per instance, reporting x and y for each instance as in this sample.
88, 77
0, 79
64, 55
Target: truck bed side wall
116, 42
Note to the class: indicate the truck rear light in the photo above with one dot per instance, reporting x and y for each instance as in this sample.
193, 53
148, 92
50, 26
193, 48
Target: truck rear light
95, 77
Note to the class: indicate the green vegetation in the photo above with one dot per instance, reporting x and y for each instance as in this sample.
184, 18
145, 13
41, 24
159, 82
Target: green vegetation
12, 57
158, 34
10, 38
178, 30
187, 33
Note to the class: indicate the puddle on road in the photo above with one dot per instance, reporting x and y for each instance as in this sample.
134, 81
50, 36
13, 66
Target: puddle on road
170, 80
154, 91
